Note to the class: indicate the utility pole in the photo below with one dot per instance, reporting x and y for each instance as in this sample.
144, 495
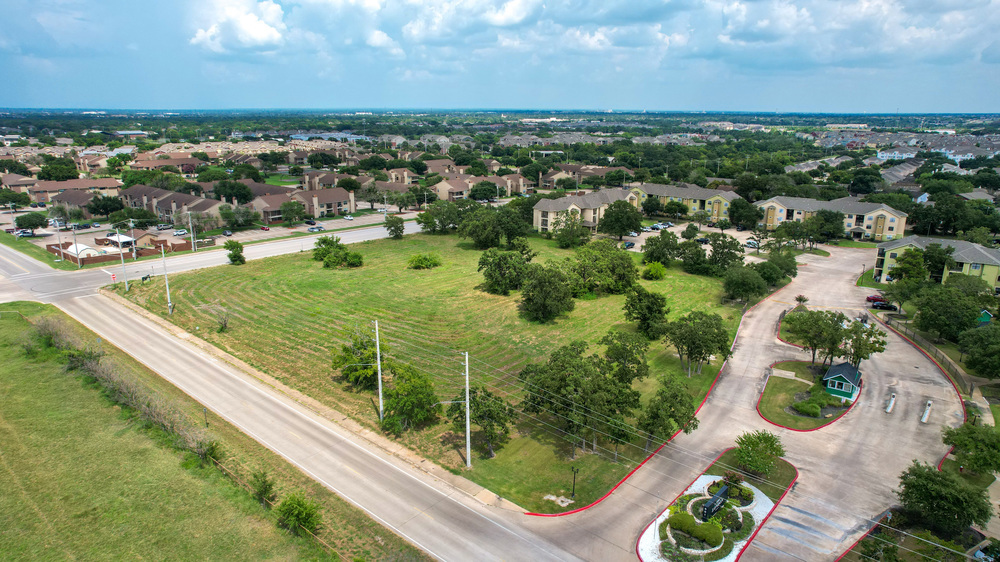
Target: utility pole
131, 233
468, 423
122, 254
62, 252
76, 248
378, 361
163, 254
194, 241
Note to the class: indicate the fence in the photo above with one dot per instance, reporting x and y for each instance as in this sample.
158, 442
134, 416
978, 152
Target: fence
239, 482
955, 373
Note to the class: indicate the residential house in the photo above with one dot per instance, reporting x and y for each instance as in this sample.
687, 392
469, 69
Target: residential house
870, 221
977, 195
326, 202
590, 207
970, 258
516, 183
297, 158
403, 175
17, 182
713, 201
451, 190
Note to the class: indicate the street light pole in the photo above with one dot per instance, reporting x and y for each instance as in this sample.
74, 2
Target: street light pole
76, 248
163, 254
575, 471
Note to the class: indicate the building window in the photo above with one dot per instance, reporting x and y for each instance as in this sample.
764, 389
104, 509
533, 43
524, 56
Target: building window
850, 216
892, 255
891, 228
892, 219
975, 266
868, 218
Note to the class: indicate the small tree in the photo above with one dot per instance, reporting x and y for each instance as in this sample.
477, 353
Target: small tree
292, 212
723, 225
357, 360
503, 271
568, 230
545, 294
758, 451
649, 309
663, 249
296, 513
671, 409
690, 231
982, 348
801, 299
652, 206
492, 414
235, 250
619, 219
861, 342
744, 283
977, 447
410, 400
262, 488
395, 226
31, 221
946, 504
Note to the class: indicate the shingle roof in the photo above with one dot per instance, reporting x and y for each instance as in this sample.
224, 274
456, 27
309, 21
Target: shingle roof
849, 205
965, 252
845, 370
593, 200
75, 197
688, 191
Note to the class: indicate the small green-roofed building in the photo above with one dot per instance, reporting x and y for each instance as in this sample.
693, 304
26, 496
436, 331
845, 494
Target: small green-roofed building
843, 380
984, 317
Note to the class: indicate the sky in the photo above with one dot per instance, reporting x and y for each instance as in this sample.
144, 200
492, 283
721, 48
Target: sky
877, 56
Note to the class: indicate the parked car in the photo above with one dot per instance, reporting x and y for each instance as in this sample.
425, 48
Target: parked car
96, 225
702, 240
227, 232
316, 229
310, 222
85, 225
164, 226
23, 233
41, 204
884, 306
875, 298
647, 229
181, 232
740, 228
655, 227
633, 233
629, 245
752, 244
265, 228
348, 218
667, 224
710, 224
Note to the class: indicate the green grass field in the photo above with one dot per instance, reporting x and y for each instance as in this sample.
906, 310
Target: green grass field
780, 394
102, 487
800, 368
81, 481
866, 281
855, 244
814, 251
773, 486
288, 313
25, 247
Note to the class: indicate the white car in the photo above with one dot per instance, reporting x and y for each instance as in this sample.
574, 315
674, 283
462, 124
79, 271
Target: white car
633, 233
348, 218
181, 232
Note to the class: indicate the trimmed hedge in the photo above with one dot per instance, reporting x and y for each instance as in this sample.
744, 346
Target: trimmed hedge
708, 532
723, 552
745, 530
807, 408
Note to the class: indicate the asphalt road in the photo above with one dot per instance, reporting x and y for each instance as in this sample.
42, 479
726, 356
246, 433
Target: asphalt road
847, 472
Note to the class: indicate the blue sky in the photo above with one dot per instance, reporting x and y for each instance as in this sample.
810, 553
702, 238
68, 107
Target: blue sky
735, 55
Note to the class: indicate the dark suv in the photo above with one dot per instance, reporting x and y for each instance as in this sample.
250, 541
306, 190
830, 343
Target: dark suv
882, 305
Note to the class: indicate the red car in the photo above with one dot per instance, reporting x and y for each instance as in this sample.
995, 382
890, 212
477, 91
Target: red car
265, 228
876, 298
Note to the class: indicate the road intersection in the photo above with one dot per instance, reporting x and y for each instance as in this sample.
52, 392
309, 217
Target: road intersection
847, 471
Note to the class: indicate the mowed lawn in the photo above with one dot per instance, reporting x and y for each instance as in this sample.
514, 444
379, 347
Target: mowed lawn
288, 314
78, 481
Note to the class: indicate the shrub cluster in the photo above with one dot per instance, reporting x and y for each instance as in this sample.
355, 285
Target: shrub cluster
709, 533
654, 271
423, 261
818, 399
333, 253
721, 553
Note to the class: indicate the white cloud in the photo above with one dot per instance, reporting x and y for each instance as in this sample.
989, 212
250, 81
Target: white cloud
241, 25
381, 40
511, 12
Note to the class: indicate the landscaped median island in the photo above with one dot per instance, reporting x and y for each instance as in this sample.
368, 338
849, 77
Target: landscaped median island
719, 513
795, 397
287, 314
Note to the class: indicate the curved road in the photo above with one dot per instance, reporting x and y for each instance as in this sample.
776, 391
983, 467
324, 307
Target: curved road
848, 471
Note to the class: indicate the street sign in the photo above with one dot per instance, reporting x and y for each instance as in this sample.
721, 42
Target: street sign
112, 277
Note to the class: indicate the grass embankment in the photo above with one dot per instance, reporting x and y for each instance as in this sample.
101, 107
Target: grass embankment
288, 313
867, 280
773, 486
85, 479
37, 252
854, 244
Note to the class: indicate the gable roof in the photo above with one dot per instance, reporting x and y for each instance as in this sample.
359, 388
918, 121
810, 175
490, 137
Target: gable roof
687, 191
75, 197
845, 370
847, 205
593, 200
965, 252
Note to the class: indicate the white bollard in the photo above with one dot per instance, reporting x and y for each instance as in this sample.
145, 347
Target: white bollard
892, 402
927, 413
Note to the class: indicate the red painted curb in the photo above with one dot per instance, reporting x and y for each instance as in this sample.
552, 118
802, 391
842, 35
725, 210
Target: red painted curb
784, 340
703, 400
847, 411
676, 498
944, 458
853, 546
768, 516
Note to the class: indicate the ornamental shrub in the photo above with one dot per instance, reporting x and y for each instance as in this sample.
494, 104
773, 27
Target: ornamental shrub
683, 521
721, 553
708, 532
423, 261
654, 271
296, 513
807, 408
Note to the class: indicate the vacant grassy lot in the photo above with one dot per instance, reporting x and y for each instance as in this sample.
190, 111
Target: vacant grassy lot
80, 481
288, 313
101, 487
